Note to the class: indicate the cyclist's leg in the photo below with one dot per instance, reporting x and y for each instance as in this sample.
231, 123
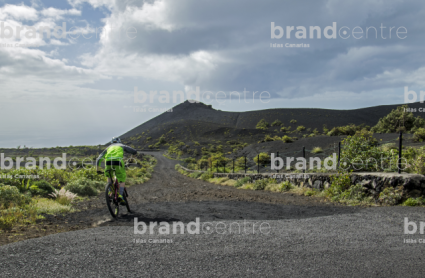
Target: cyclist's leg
107, 173
121, 177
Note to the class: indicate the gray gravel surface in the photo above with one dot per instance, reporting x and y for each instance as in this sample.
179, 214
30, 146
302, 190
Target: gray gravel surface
306, 238
367, 243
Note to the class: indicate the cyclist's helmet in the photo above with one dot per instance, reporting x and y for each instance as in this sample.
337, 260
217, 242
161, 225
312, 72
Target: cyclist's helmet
116, 140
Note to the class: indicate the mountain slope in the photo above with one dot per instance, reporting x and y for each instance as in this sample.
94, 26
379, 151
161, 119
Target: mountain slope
197, 121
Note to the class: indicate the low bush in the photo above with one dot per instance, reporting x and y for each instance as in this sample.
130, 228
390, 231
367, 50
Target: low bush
419, 135
49, 206
311, 192
44, 188
242, 181
262, 124
262, 158
412, 202
206, 176
277, 123
85, 187
229, 183
9, 217
195, 175
63, 196
317, 150
10, 196
300, 128
287, 139
247, 186
260, 184
286, 186
339, 183
391, 196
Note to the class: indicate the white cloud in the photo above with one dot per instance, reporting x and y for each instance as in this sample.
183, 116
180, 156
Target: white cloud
153, 16
94, 3
58, 14
18, 12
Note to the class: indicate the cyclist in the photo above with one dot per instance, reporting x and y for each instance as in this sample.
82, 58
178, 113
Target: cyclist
113, 156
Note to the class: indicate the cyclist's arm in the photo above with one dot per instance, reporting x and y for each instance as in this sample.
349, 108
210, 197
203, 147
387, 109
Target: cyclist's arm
128, 149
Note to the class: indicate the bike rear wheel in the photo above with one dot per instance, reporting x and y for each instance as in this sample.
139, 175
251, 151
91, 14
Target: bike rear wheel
125, 195
111, 201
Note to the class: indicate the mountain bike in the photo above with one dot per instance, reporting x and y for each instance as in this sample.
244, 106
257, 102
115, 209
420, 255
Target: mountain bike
111, 194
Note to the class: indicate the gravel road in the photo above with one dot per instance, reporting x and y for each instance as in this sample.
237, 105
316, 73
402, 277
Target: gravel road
280, 235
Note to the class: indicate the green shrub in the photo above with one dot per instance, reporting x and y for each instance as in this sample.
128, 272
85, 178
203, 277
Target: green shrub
317, 150
195, 175
85, 187
262, 124
242, 181
277, 123
9, 217
44, 188
293, 121
190, 160
287, 139
399, 120
350, 129
339, 183
412, 202
206, 176
354, 193
286, 186
361, 149
419, 135
285, 129
260, 184
10, 196
300, 128
390, 196
264, 158
310, 192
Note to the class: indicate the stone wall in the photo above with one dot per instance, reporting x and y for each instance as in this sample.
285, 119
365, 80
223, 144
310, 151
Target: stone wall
413, 185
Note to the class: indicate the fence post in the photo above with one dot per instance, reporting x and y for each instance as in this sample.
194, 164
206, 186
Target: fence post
277, 155
216, 167
233, 166
339, 152
400, 144
258, 165
245, 164
224, 167
304, 159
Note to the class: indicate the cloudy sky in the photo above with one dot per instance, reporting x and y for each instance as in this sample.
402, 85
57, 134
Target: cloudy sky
78, 87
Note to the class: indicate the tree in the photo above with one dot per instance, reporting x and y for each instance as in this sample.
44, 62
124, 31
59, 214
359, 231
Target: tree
399, 119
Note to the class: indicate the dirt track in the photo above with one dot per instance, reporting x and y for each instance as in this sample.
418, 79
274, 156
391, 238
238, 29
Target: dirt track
172, 196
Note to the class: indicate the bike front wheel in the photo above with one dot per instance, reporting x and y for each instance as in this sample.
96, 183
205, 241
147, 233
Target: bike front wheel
111, 200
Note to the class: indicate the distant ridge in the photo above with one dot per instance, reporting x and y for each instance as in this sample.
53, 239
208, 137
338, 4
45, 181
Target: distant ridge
198, 119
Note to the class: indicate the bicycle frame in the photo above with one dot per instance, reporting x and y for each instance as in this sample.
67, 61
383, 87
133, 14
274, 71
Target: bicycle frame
116, 185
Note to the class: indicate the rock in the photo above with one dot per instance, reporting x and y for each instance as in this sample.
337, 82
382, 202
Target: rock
415, 193
317, 184
326, 185
366, 183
